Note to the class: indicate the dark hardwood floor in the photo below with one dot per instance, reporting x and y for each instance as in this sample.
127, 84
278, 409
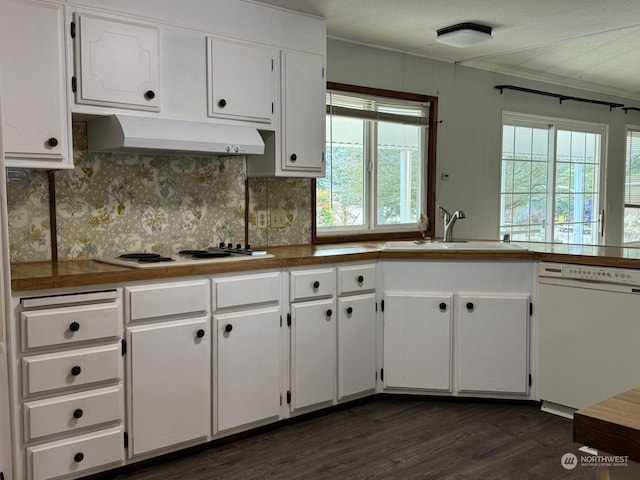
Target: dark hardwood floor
391, 438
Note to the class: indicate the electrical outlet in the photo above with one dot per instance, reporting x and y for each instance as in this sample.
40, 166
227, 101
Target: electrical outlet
261, 218
278, 218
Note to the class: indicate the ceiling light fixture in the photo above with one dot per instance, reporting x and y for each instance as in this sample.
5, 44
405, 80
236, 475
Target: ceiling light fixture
464, 35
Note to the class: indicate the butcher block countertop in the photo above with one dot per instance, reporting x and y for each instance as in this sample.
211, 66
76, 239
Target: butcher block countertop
612, 425
74, 273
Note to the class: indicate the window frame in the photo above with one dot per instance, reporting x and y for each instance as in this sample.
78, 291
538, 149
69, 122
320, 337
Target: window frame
628, 129
428, 177
553, 125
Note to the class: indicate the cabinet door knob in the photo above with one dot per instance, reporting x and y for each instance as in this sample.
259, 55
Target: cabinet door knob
200, 333
443, 306
329, 312
77, 413
470, 306
149, 94
74, 326
360, 279
76, 370
78, 457
228, 327
52, 142
293, 157
350, 310
222, 103
316, 284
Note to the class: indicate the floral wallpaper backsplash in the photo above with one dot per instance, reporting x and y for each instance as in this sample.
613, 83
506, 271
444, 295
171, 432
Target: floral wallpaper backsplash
114, 203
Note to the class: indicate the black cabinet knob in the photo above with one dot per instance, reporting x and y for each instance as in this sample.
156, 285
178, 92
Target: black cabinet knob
200, 333
443, 306
222, 103
360, 279
52, 142
350, 310
149, 94
470, 306
293, 157
329, 312
228, 327
77, 413
316, 284
76, 370
78, 457
74, 326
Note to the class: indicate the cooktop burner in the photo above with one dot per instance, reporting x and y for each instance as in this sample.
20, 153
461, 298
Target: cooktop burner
223, 252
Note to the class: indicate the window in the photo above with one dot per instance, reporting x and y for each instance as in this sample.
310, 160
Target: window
378, 164
550, 184
632, 187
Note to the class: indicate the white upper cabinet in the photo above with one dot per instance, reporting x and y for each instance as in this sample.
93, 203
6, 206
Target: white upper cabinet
117, 63
35, 118
240, 80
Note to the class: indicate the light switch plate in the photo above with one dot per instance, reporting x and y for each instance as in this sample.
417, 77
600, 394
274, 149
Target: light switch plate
278, 218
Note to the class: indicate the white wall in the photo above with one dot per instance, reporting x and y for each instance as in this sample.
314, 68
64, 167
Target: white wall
470, 134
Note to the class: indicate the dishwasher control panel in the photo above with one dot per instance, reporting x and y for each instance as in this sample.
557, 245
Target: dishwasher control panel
622, 276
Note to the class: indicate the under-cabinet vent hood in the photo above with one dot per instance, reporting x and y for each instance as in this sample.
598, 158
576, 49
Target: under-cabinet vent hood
126, 133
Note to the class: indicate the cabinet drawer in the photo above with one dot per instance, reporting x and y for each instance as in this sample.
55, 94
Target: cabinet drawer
356, 278
70, 369
246, 290
69, 325
150, 301
71, 412
75, 454
312, 283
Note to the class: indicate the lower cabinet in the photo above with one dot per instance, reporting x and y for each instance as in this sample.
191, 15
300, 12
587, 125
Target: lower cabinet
313, 353
356, 345
248, 359
168, 383
493, 343
417, 342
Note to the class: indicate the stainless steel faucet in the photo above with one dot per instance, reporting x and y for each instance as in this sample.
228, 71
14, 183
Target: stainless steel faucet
449, 222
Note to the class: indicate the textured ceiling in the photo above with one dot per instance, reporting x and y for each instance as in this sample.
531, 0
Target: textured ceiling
590, 44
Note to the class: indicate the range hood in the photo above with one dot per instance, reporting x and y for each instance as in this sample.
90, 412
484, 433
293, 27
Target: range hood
128, 133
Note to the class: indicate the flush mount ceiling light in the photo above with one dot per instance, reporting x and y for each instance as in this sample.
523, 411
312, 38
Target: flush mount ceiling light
464, 34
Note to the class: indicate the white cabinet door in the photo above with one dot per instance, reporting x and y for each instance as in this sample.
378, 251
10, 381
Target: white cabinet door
117, 63
249, 346
241, 80
492, 343
417, 341
356, 345
35, 118
168, 383
303, 113
313, 353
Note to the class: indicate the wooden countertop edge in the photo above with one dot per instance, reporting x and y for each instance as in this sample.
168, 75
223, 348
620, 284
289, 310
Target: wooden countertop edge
611, 425
74, 273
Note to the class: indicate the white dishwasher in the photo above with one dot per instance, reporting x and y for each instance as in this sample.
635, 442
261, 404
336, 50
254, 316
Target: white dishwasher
588, 334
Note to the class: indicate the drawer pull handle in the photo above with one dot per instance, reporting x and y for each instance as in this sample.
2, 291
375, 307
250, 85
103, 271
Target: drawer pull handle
78, 457
76, 370
200, 333
228, 328
360, 279
293, 157
316, 284
349, 310
149, 95
443, 307
74, 326
77, 413
329, 312
469, 306
222, 103
52, 142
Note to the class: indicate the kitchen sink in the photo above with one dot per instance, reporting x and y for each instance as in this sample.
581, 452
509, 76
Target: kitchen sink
457, 245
